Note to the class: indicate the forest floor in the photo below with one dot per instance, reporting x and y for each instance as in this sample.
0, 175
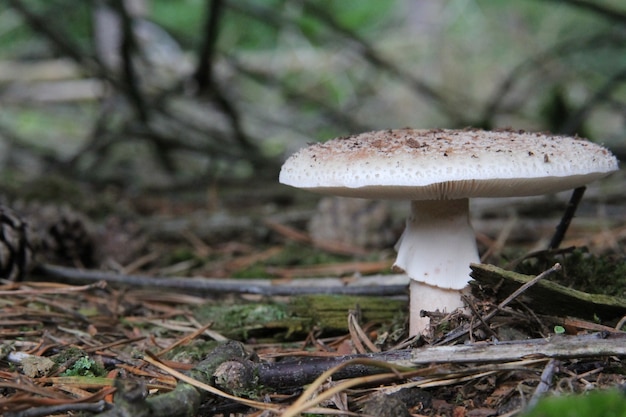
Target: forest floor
172, 279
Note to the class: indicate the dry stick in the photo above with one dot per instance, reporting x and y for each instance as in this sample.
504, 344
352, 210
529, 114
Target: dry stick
455, 334
302, 370
568, 215
68, 408
213, 285
469, 303
56, 290
545, 381
113, 344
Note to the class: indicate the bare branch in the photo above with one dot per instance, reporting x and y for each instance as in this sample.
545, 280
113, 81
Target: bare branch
204, 71
57, 37
128, 48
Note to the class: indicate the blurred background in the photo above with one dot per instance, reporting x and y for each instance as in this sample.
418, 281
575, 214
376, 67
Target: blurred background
147, 135
162, 94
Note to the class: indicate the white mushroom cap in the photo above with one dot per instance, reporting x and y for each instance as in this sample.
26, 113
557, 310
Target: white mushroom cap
434, 164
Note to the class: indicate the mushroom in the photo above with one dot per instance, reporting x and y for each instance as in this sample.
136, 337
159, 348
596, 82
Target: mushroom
439, 170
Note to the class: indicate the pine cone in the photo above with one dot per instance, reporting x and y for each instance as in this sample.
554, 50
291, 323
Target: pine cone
65, 235
72, 239
16, 246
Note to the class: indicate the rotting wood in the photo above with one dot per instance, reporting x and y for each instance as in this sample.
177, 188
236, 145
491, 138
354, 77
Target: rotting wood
547, 297
297, 316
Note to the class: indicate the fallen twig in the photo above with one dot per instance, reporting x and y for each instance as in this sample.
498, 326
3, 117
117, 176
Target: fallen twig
545, 381
383, 285
58, 289
293, 373
67, 408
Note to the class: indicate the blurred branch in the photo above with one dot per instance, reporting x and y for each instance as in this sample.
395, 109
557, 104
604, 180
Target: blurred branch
373, 57
539, 61
57, 38
204, 71
173, 131
595, 7
600, 96
267, 79
204, 75
129, 51
269, 17
128, 48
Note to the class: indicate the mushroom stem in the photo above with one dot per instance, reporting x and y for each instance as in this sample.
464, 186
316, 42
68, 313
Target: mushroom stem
426, 297
435, 251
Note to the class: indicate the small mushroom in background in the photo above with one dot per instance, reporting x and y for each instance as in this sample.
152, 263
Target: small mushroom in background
439, 170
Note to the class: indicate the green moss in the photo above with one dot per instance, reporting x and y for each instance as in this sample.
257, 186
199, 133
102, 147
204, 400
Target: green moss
549, 297
610, 403
85, 366
193, 352
330, 312
582, 271
241, 321
275, 321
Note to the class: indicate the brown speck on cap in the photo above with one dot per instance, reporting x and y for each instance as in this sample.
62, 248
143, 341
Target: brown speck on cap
412, 143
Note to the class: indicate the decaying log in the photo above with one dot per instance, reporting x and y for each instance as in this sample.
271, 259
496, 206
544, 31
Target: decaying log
547, 297
296, 316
